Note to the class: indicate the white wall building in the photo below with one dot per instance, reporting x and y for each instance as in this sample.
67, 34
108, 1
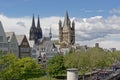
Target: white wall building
12, 43
3, 40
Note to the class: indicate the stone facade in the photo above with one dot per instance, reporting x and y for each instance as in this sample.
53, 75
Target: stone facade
66, 32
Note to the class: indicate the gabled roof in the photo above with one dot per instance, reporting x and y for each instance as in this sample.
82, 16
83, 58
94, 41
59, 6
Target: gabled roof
9, 36
20, 38
2, 33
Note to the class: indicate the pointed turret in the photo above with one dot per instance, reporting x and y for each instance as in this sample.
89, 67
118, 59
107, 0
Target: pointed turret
33, 31
33, 21
73, 25
60, 23
66, 20
38, 23
50, 33
39, 30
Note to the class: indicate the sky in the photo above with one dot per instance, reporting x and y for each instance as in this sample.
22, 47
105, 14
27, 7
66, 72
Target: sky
97, 21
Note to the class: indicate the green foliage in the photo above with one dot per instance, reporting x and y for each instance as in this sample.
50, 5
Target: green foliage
14, 68
92, 58
71, 60
26, 68
29, 68
55, 65
43, 78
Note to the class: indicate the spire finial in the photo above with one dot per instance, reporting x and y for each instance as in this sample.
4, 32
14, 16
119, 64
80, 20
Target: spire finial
50, 33
38, 23
33, 21
66, 20
66, 16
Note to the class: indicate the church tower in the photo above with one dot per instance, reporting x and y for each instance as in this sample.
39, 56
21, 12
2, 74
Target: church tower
67, 31
35, 32
39, 30
60, 31
50, 33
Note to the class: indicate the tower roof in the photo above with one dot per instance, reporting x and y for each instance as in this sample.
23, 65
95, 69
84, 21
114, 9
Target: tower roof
66, 16
39, 30
38, 23
33, 21
66, 21
50, 33
38, 26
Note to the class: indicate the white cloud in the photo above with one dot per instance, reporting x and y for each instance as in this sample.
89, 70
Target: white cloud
115, 10
110, 44
91, 11
88, 30
100, 11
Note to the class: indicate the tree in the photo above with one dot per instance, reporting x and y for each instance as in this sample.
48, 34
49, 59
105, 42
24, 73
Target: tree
29, 68
55, 66
91, 59
9, 68
14, 68
71, 60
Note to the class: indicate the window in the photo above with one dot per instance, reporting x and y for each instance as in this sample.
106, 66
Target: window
5, 45
39, 59
24, 49
1, 45
25, 43
1, 38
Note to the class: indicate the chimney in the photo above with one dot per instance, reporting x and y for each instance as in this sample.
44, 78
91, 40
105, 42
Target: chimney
97, 45
72, 74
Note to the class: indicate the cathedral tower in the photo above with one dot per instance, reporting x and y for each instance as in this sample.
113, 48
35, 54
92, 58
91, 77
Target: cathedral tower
35, 32
67, 31
39, 30
33, 29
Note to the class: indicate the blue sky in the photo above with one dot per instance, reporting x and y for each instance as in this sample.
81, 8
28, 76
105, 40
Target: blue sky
45, 8
95, 20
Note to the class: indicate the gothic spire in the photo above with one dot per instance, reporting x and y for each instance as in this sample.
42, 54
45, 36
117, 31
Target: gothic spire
66, 21
66, 16
39, 30
33, 21
38, 23
50, 33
